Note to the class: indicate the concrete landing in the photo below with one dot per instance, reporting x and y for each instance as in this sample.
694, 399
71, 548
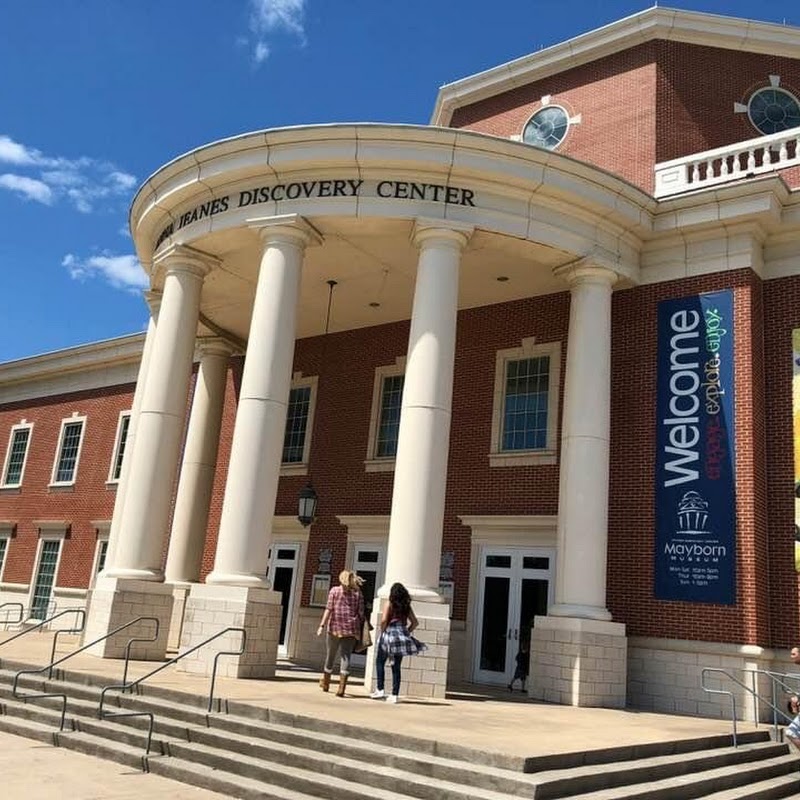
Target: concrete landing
489, 719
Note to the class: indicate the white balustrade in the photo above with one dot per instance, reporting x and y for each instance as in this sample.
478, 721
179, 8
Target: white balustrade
724, 164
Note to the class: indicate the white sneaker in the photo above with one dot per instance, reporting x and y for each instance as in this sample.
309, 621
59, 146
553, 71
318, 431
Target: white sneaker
378, 694
392, 698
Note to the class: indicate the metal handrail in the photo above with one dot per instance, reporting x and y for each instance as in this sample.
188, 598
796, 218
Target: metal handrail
77, 611
708, 670
776, 681
126, 686
42, 695
21, 607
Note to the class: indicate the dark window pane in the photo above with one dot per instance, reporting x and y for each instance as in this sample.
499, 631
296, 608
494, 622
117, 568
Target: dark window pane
45, 578
294, 439
68, 458
535, 562
16, 457
389, 422
123, 440
499, 561
525, 407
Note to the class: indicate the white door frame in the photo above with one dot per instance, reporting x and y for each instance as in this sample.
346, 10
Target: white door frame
286, 532
515, 573
499, 531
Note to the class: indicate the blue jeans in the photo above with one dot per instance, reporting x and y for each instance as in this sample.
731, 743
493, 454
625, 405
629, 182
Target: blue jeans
380, 670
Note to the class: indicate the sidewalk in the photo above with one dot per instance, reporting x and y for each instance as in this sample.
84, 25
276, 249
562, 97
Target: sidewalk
489, 719
35, 771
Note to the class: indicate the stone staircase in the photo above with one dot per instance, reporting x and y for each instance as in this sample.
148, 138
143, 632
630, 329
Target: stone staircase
246, 751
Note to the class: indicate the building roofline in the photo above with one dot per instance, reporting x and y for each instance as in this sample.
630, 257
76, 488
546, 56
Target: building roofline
85, 357
691, 27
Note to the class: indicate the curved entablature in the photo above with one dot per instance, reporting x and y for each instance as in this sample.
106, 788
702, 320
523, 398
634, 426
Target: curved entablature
363, 186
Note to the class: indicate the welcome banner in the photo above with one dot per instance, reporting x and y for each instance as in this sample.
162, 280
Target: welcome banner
695, 557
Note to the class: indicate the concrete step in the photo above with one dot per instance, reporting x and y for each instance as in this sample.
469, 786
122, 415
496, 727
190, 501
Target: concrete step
579, 780
350, 770
700, 784
30, 729
222, 782
771, 789
327, 786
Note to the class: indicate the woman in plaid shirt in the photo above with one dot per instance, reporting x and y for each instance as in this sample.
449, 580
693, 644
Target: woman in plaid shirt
343, 620
398, 622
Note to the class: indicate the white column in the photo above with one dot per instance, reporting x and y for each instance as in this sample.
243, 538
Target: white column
420, 472
154, 301
585, 429
190, 519
154, 460
249, 504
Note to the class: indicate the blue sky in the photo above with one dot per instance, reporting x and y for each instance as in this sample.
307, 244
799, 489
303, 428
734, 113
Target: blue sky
95, 95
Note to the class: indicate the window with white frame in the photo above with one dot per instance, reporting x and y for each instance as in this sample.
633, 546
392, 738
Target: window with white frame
47, 566
102, 529
17, 454
65, 468
525, 418
384, 428
5, 537
119, 446
299, 425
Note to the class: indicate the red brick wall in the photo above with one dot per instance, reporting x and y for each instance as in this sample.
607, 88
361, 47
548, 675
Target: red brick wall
345, 363
650, 103
782, 315
616, 97
90, 498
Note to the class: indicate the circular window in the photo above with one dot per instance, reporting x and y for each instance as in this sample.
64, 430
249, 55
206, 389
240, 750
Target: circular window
546, 128
773, 110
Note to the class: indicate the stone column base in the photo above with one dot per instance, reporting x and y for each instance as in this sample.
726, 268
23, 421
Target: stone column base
115, 601
211, 608
180, 594
578, 662
424, 675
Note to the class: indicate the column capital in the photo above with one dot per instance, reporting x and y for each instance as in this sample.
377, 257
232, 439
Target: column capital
291, 228
153, 300
182, 258
442, 230
584, 270
214, 346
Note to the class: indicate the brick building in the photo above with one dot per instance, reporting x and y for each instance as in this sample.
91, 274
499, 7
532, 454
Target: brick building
579, 286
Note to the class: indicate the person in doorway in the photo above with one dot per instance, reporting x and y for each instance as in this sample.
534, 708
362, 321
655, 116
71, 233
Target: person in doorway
521, 671
398, 622
794, 655
342, 621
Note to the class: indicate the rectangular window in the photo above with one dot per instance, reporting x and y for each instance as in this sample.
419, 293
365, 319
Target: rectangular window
102, 552
3, 551
68, 452
119, 447
45, 578
17, 454
526, 404
389, 423
294, 439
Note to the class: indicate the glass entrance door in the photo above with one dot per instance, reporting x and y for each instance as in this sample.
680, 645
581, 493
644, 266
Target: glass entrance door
515, 586
369, 561
282, 574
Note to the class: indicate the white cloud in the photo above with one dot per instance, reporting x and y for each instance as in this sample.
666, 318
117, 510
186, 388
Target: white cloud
29, 188
122, 272
82, 181
271, 17
12, 152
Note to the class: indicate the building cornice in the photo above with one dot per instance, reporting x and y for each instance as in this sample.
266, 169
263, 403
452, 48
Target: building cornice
96, 358
709, 30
